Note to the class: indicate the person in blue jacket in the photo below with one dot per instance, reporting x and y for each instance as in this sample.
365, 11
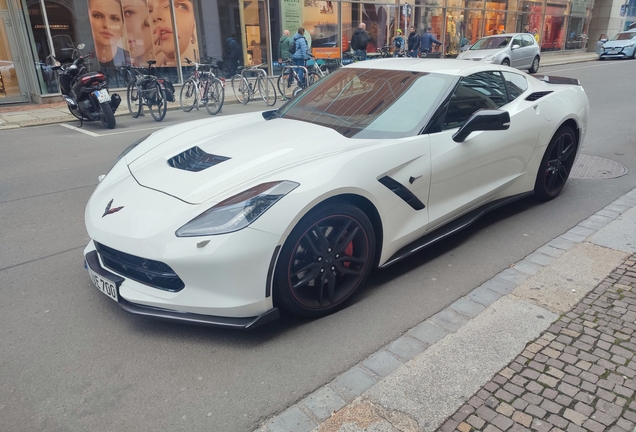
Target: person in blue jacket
302, 51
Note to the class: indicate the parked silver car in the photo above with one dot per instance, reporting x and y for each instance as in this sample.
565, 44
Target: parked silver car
519, 50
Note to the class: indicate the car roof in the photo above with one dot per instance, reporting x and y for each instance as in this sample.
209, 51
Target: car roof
442, 66
506, 34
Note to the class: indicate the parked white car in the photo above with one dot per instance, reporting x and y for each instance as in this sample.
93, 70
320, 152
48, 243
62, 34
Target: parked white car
222, 221
518, 50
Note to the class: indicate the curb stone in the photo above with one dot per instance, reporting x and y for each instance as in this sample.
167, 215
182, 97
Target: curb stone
417, 340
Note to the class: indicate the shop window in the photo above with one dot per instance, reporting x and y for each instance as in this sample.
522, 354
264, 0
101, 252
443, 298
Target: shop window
485, 90
463, 28
466, 4
577, 32
552, 36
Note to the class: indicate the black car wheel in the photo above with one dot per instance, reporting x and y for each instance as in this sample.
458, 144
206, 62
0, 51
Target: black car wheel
327, 256
505, 62
556, 164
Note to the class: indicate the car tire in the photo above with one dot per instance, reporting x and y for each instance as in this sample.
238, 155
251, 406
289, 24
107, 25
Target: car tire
505, 62
325, 259
556, 164
535, 65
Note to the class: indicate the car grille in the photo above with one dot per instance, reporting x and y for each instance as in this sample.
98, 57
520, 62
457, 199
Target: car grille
149, 272
195, 159
537, 95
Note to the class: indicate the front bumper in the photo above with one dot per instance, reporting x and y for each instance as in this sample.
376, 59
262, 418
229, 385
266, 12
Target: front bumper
92, 262
625, 53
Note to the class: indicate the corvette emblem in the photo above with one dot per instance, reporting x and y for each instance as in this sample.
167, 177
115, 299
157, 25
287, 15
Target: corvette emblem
109, 210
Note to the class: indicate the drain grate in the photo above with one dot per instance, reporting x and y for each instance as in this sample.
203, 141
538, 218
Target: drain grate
594, 167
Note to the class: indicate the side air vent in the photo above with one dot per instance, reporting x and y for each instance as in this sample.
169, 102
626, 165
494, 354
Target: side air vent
537, 95
195, 159
400, 190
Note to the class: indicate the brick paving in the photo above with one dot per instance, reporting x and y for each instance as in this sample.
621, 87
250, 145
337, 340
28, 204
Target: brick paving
578, 376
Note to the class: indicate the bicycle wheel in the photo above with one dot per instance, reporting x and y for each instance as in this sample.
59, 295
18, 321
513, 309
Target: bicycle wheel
158, 104
241, 88
282, 82
313, 77
188, 96
134, 99
215, 96
267, 90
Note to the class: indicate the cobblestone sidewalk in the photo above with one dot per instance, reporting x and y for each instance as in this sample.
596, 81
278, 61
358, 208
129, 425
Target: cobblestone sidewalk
579, 375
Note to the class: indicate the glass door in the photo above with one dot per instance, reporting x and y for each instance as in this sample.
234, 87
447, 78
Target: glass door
10, 67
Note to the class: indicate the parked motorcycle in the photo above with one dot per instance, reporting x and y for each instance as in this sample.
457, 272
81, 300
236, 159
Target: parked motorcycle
86, 93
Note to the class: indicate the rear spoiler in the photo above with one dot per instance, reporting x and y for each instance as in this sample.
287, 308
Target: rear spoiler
557, 80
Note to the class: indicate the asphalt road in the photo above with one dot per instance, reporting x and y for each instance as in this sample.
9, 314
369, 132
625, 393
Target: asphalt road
72, 360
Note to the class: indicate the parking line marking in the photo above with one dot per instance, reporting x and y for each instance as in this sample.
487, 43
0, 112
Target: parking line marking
68, 126
96, 135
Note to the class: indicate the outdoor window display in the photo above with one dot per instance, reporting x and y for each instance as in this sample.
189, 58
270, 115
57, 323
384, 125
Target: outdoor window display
320, 21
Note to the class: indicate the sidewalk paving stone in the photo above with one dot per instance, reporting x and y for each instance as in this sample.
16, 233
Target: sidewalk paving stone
584, 394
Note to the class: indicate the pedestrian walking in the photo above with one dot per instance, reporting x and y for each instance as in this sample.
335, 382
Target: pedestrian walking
535, 32
426, 45
301, 52
398, 43
359, 42
413, 43
283, 46
232, 55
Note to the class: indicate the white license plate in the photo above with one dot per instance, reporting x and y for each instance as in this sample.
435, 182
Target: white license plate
104, 285
102, 95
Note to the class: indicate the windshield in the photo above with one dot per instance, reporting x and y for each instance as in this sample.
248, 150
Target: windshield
624, 36
492, 43
370, 103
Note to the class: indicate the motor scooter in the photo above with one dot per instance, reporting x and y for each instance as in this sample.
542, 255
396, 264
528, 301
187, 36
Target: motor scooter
86, 93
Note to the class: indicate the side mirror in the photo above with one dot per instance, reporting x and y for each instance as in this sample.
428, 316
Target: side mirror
515, 46
483, 120
603, 40
81, 46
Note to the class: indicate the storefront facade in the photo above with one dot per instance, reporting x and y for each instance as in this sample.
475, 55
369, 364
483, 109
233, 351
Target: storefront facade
120, 33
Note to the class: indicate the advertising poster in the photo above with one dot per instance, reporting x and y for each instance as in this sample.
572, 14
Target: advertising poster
131, 32
320, 20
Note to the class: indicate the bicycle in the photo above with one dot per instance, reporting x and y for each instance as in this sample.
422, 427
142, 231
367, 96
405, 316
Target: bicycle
245, 90
202, 86
146, 90
290, 75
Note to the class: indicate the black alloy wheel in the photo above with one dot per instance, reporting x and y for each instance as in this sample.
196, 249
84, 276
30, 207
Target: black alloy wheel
556, 164
326, 258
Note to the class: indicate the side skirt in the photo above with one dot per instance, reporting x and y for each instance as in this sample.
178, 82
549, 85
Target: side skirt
451, 228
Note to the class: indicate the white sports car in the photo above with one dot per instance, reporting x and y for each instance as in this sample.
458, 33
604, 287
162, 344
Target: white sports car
224, 220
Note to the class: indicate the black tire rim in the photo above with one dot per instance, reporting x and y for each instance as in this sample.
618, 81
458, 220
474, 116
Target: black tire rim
328, 262
559, 164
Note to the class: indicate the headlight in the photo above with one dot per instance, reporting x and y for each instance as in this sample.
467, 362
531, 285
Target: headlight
130, 147
630, 45
237, 212
489, 58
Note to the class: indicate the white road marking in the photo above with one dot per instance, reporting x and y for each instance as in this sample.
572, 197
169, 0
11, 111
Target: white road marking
96, 135
89, 133
611, 63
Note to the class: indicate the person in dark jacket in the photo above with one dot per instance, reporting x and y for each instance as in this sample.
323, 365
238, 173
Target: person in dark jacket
301, 55
428, 40
283, 46
233, 55
413, 43
359, 42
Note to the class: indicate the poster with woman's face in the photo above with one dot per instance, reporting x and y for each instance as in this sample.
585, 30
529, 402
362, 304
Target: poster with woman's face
132, 32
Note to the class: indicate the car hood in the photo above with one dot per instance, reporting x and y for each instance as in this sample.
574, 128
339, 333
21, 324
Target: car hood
246, 147
478, 54
618, 43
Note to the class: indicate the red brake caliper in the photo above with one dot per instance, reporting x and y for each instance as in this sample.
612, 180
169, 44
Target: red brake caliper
348, 252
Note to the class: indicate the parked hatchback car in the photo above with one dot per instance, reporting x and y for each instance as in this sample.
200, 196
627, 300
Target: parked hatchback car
621, 46
519, 50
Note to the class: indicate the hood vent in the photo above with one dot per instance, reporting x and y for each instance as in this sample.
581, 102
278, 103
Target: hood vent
195, 159
537, 95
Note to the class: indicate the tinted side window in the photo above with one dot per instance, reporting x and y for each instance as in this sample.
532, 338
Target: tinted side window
517, 41
516, 84
484, 90
528, 40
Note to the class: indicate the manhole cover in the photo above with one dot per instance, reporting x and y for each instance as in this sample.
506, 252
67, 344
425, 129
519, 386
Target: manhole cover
594, 167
